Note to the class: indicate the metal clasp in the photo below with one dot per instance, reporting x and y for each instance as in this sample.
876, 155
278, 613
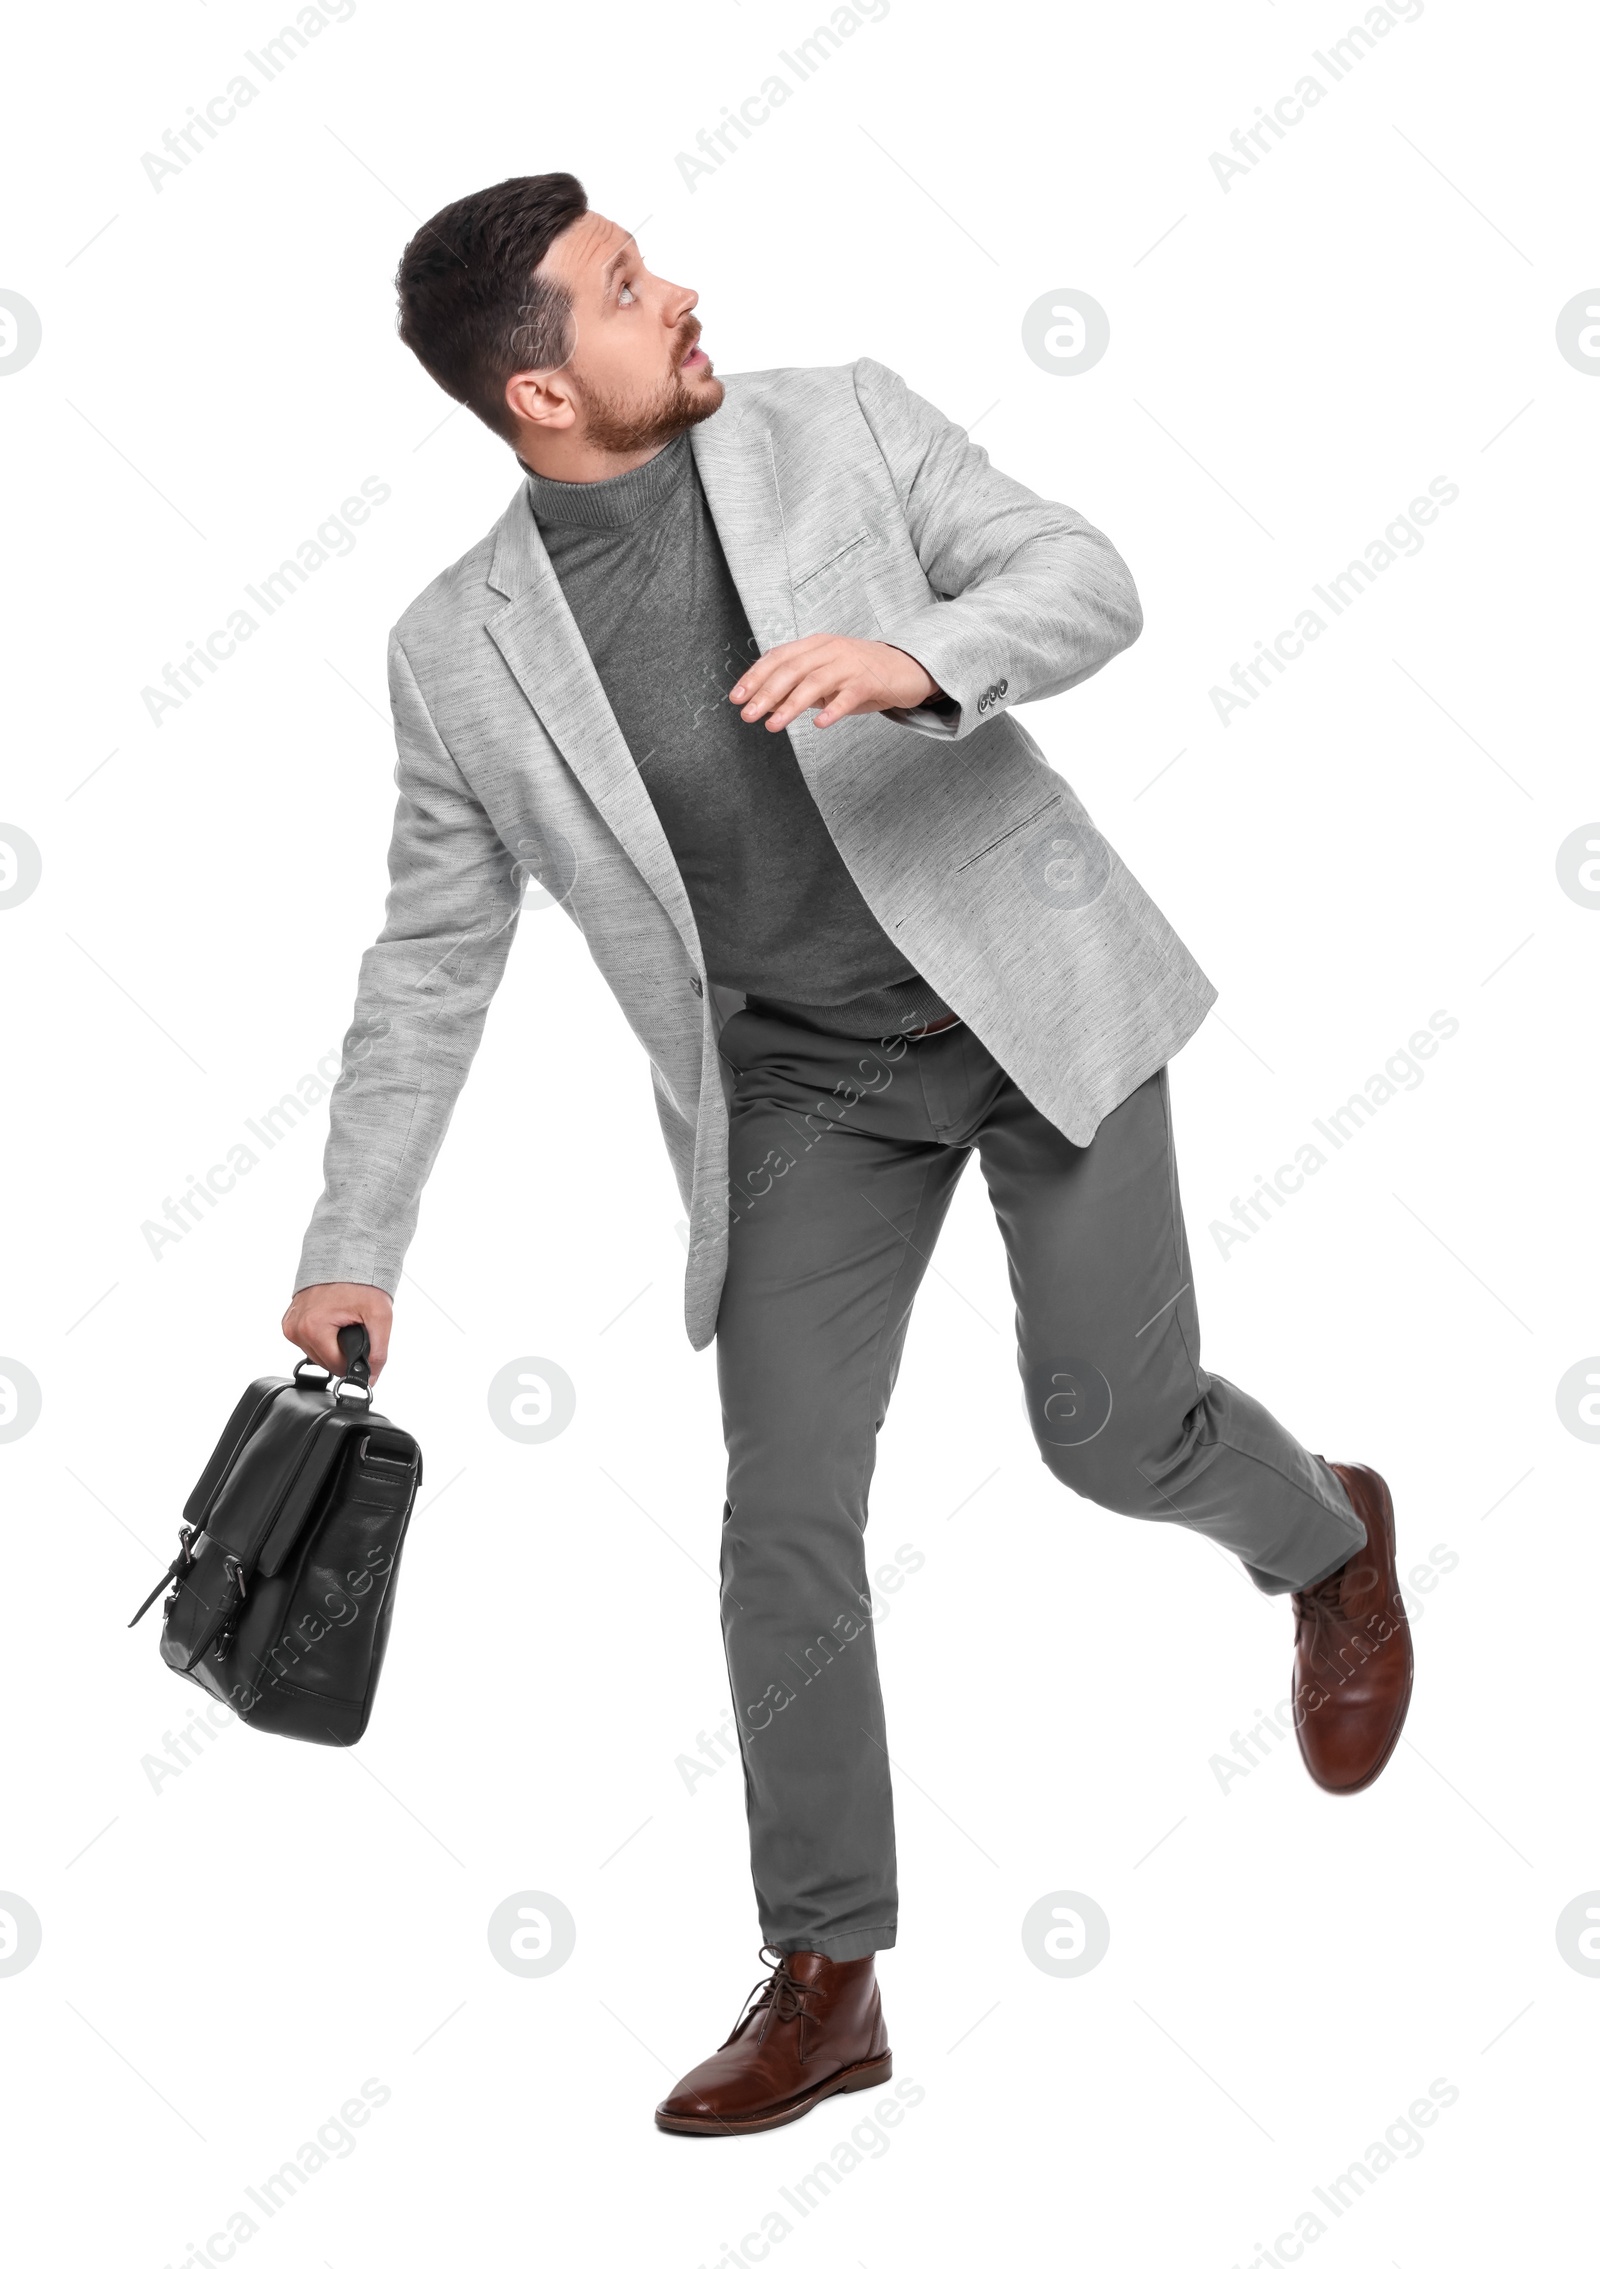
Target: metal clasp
233, 1569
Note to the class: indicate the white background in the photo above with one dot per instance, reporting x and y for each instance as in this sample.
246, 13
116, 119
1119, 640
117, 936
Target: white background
230, 1949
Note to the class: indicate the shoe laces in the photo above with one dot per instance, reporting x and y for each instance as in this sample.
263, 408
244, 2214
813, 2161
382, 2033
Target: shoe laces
1349, 1597
1321, 1599
779, 1994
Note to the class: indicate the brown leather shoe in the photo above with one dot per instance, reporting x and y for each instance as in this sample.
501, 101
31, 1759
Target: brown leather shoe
1352, 1655
813, 2028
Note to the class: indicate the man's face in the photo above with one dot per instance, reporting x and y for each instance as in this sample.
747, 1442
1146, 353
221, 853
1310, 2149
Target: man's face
637, 374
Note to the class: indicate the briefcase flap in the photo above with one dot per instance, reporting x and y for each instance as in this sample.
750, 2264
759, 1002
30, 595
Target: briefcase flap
248, 1412
277, 1474
382, 1470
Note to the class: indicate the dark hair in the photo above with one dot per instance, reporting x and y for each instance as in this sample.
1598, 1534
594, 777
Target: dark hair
471, 309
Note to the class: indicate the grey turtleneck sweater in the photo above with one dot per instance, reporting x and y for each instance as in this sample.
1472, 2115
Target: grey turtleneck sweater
780, 920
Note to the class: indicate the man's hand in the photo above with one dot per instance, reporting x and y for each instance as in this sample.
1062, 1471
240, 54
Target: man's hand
838, 677
316, 1314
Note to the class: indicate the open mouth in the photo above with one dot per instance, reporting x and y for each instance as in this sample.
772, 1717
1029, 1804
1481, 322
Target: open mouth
694, 359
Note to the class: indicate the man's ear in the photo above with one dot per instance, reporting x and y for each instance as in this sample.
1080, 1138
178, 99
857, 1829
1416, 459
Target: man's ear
541, 399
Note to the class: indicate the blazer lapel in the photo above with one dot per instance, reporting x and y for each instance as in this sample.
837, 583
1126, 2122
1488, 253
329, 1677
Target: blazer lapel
539, 639
739, 473
740, 477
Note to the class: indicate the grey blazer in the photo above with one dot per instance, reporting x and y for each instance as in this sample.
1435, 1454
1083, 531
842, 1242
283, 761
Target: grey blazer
845, 503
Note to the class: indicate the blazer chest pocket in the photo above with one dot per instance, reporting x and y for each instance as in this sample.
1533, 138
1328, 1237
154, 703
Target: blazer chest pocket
833, 595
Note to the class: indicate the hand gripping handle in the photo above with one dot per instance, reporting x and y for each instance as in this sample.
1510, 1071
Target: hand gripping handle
355, 1347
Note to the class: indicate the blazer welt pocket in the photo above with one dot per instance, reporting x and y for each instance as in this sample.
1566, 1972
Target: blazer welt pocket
858, 541
1015, 828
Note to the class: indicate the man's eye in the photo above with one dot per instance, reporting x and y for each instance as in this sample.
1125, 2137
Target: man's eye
625, 295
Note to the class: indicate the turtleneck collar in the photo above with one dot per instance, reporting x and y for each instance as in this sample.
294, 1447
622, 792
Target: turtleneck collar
612, 503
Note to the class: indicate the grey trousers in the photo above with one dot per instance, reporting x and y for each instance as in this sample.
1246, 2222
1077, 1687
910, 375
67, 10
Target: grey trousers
844, 1156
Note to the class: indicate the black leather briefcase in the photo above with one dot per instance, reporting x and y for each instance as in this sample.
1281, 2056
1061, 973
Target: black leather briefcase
284, 1582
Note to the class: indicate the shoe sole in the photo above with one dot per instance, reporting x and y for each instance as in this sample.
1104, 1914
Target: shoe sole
853, 2076
1354, 1788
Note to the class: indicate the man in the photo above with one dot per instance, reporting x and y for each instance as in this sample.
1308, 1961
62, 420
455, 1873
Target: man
855, 949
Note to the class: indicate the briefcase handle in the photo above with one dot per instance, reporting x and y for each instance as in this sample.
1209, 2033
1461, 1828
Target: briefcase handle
355, 1347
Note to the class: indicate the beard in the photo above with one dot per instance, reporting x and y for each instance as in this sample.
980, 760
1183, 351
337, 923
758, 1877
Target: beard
620, 427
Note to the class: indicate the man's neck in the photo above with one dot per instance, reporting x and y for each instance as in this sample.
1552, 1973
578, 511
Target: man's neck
581, 461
